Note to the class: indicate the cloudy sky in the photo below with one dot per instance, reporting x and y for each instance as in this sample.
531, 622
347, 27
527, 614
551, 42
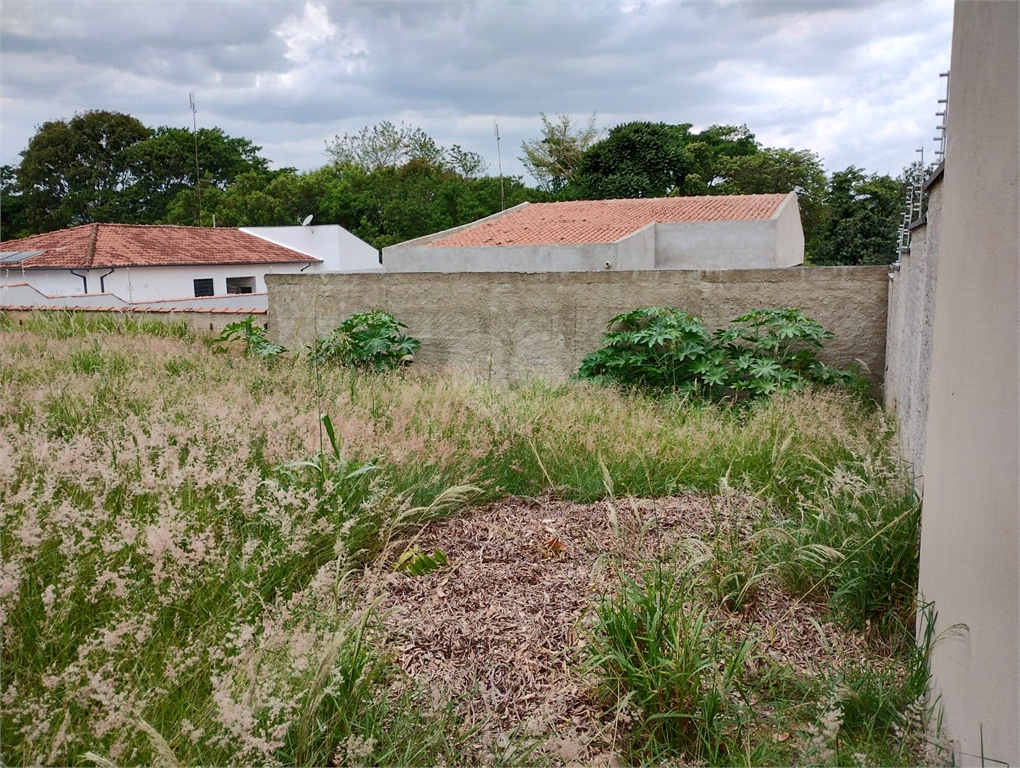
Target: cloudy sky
855, 82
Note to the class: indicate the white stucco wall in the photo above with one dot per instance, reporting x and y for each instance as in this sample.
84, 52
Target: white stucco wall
24, 295
140, 284
716, 245
339, 250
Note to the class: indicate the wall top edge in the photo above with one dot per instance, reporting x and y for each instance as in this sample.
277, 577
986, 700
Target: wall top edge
934, 176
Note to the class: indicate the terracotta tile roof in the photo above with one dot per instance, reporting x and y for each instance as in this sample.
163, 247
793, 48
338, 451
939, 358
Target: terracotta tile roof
604, 221
128, 245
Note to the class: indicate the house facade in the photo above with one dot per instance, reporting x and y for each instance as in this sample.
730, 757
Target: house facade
117, 264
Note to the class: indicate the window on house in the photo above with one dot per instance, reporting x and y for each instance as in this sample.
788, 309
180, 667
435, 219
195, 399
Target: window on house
204, 286
240, 285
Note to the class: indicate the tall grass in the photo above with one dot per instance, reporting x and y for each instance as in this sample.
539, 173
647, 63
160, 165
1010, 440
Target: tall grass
869, 514
183, 536
58, 324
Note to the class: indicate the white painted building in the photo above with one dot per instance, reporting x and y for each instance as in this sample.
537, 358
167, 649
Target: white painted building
116, 264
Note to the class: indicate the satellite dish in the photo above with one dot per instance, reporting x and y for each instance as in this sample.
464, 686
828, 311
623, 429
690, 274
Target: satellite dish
308, 220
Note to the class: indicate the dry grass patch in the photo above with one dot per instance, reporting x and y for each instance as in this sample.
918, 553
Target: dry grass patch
503, 628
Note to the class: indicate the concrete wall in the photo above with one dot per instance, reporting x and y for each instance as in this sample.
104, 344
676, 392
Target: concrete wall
512, 325
634, 252
751, 244
789, 234
970, 554
909, 335
339, 250
716, 245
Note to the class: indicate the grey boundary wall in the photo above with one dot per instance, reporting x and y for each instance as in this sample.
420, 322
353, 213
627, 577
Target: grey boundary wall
911, 330
514, 325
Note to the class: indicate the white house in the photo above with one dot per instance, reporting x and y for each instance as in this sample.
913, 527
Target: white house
115, 264
668, 233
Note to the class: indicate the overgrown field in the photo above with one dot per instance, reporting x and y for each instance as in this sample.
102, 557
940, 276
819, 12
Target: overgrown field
198, 570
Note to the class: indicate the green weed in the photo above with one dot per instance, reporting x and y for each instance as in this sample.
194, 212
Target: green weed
762, 352
367, 341
254, 338
673, 678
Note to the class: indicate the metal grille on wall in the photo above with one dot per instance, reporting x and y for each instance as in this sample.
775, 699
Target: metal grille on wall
914, 200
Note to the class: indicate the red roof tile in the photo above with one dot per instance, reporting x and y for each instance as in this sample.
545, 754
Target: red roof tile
604, 221
128, 245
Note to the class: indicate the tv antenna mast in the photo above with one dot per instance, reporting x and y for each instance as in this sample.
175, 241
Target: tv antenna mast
499, 163
198, 183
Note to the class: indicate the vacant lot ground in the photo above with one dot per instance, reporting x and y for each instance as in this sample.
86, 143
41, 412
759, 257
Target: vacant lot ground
197, 569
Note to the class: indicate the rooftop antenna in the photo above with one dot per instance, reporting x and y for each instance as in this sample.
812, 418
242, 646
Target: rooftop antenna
499, 161
308, 220
198, 183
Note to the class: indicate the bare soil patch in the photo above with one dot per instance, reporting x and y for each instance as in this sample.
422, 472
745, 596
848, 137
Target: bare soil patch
502, 628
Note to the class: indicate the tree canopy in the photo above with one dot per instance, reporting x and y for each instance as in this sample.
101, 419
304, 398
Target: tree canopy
864, 213
390, 183
638, 159
383, 206
554, 159
74, 171
389, 146
109, 167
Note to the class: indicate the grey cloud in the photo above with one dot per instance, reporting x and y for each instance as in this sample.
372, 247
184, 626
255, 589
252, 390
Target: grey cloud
802, 71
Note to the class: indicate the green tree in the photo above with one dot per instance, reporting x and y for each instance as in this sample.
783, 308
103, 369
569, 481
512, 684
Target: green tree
389, 146
554, 159
390, 205
12, 206
163, 166
255, 199
108, 167
75, 171
464, 162
864, 213
768, 171
383, 207
639, 159
708, 152
644, 159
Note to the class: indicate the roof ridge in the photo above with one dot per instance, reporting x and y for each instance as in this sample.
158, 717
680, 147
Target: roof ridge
609, 200
90, 249
161, 226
